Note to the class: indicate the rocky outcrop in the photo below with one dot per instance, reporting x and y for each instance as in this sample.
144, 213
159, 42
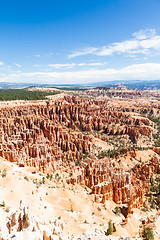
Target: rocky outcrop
107, 182
99, 235
22, 226
51, 137
43, 135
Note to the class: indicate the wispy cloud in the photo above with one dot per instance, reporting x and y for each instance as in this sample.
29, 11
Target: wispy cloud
91, 64
144, 34
51, 54
70, 65
145, 71
37, 55
85, 51
1, 63
142, 42
37, 65
17, 65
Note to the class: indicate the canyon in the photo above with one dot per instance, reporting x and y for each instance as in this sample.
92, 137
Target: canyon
100, 147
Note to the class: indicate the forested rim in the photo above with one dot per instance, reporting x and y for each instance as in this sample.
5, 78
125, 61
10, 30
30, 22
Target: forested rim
23, 94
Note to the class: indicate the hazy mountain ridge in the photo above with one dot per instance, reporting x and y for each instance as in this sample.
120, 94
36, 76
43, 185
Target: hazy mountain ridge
132, 84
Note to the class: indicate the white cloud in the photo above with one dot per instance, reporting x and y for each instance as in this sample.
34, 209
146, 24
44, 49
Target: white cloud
145, 71
85, 51
1, 63
144, 34
36, 65
70, 65
91, 64
142, 42
50, 54
18, 65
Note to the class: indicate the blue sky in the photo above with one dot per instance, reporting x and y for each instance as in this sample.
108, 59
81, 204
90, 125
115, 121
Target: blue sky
79, 41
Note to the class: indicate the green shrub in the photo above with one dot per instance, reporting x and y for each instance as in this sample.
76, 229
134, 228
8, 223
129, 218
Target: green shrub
112, 153
47, 176
71, 208
110, 228
26, 178
99, 209
147, 233
78, 162
3, 204
117, 210
50, 178
153, 204
43, 180
4, 173
145, 207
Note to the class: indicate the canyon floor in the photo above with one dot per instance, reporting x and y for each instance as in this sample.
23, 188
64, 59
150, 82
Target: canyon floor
71, 205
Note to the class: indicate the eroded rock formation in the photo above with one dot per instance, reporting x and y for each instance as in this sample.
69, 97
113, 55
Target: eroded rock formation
49, 137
